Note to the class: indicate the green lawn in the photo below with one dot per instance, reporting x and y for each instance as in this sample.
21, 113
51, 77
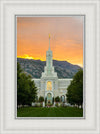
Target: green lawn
50, 112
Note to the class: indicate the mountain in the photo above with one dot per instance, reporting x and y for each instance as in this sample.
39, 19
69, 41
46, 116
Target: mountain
64, 69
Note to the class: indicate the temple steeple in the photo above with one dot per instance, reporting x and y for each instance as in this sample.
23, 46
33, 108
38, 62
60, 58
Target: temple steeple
49, 69
49, 57
49, 42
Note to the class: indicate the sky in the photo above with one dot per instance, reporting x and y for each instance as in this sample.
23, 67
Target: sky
66, 38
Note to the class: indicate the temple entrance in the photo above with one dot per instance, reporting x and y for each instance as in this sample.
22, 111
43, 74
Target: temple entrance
49, 98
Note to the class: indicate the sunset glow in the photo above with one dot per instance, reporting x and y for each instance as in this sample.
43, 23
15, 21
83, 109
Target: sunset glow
66, 38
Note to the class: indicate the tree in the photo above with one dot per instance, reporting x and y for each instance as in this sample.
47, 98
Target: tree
41, 99
75, 89
26, 90
57, 99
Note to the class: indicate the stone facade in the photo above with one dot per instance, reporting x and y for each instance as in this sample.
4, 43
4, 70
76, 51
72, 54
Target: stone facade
49, 85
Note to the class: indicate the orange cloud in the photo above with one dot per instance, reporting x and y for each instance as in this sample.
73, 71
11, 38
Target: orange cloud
66, 38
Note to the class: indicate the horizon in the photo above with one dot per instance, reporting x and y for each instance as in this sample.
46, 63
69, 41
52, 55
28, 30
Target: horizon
66, 38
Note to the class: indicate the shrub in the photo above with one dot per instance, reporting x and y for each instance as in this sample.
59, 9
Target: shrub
57, 99
41, 99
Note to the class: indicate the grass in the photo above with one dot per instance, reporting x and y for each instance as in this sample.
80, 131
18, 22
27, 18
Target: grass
50, 112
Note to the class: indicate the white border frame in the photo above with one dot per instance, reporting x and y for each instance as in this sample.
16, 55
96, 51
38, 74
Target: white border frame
8, 124
84, 99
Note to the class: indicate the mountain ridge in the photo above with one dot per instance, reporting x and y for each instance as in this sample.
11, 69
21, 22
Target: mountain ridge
35, 68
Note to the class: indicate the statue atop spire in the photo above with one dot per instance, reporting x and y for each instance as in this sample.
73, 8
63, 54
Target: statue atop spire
49, 42
49, 35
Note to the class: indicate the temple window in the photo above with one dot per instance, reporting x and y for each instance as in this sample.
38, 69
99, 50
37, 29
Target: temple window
49, 85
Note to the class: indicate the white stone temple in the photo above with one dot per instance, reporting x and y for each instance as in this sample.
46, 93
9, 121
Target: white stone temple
49, 86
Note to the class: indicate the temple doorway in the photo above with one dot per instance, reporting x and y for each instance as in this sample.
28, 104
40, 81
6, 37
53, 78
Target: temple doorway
49, 98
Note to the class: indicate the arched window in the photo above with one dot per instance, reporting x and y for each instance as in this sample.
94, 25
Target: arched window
49, 85
62, 98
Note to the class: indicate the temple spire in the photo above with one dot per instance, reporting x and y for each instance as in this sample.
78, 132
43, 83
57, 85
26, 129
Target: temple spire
49, 42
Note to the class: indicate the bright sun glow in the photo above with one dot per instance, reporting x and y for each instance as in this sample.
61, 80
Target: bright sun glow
26, 56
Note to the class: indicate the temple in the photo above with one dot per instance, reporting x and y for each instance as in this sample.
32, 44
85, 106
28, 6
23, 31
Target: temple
49, 86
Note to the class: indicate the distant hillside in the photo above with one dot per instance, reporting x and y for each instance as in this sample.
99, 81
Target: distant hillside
64, 69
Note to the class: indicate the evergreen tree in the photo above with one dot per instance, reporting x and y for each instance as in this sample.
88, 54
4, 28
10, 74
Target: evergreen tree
75, 89
26, 90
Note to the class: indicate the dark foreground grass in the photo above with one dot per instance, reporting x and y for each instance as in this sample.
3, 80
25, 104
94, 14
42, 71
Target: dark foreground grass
50, 112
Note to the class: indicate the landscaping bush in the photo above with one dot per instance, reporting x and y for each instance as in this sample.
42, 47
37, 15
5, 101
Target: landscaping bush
41, 99
57, 99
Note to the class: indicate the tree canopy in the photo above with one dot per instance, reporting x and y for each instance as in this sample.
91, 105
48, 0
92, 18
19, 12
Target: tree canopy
75, 89
26, 89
